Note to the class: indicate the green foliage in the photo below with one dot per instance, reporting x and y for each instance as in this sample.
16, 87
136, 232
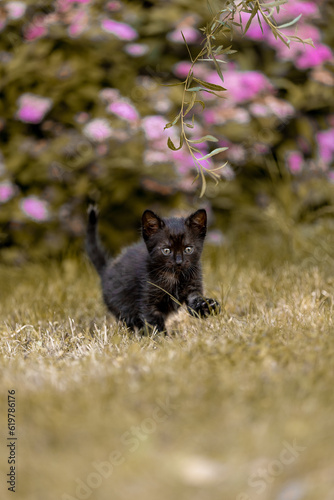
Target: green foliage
60, 52
221, 27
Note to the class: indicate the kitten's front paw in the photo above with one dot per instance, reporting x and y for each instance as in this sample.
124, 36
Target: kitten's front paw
204, 307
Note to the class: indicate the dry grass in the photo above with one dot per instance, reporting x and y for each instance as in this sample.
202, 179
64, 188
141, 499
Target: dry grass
206, 413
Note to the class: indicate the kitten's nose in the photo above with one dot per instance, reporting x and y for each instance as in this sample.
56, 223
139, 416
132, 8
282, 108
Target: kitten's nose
178, 259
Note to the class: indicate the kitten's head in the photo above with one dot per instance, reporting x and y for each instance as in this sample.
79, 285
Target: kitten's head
174, 244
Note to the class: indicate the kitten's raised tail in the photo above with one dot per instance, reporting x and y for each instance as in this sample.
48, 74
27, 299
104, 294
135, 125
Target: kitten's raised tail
93, 246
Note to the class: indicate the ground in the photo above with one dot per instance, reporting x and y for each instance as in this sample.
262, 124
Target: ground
238, 406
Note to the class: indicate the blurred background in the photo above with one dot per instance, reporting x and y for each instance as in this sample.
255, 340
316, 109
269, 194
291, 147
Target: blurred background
83, 106
84, 103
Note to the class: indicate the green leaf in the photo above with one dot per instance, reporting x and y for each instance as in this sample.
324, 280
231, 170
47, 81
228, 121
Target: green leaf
259, 21
194, 89
212, 55
196, 150
191, 58
218, 168
277, 34
214, 152
208, 59
171, 145
190, 104
192, 122
253, 14
211, 86
203, 139
210, 8
276, 3
173, 84
170, 124
201, 103
203, 184
219, 50
214, 93
219, 71
308, 41
294, 21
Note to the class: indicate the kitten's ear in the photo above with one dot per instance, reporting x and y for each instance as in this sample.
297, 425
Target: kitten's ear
151, 224
197, 222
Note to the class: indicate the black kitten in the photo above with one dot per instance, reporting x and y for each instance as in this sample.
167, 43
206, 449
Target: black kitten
140, 284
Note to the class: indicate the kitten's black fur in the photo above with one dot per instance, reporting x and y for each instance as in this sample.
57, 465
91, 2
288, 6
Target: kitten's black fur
139, 284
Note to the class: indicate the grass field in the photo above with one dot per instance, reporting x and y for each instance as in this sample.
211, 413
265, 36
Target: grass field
239, 406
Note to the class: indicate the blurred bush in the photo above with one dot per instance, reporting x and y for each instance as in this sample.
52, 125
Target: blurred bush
83, 109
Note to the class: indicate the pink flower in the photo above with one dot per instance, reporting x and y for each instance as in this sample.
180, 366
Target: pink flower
183, 161
245, 85
123, 110
154, 127
81, 117
7, 191
136, 49
98, 130
210, 116
227, 173
182, 69
325, 139
293, 9
259, 109
15, 9
109, 94
78, 24
311, 57
260, 148
35, 208
303, 55
32, 108
122, 31
63, 5
254, 31
36, 29
271, 105
190, 34
114, 6
295, 161
242, 85
200, 70
236, 153
102, 149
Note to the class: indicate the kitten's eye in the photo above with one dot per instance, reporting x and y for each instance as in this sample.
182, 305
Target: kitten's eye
165, 251
188, 250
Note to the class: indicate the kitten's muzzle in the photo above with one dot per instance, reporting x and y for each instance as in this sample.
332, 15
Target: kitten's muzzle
178, 259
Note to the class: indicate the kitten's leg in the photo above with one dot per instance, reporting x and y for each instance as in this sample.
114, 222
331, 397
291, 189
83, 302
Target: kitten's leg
133, 324
202, 307
155, 320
